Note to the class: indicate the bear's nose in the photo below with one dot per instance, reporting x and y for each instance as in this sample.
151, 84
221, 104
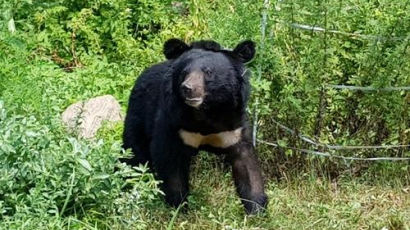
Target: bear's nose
186, 89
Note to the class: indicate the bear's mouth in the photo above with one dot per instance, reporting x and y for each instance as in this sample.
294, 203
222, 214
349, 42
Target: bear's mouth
194, 102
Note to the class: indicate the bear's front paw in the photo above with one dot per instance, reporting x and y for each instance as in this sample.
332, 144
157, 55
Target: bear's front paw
256, 205
175, 199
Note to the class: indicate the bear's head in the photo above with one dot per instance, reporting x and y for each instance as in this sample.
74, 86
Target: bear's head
207, 76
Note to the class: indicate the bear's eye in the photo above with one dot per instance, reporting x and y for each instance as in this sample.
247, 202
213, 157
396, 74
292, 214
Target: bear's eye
209, 75
183, 74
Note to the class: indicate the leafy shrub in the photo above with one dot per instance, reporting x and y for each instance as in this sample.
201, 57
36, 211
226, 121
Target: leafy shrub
294, 67
44, 174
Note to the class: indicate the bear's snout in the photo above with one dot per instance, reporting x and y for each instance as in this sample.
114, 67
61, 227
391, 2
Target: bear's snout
193, 89
187, 89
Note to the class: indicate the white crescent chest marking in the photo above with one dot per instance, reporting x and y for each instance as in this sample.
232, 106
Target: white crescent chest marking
219, 140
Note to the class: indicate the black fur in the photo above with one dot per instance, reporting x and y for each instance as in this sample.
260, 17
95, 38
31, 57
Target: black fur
157, 111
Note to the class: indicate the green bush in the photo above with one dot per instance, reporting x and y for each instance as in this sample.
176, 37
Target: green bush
56, 52
45, 175
294, 68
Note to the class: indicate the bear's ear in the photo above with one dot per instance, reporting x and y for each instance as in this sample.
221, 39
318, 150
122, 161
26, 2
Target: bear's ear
173, 48
245, 50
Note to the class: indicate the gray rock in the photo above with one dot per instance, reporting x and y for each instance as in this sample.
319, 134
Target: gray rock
87, 117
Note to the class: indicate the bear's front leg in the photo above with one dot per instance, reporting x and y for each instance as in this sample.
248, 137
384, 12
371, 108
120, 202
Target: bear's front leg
248, 177
175, 181
171, 162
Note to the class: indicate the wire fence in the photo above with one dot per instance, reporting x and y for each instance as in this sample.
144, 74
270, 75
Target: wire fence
326, 148
334, 147
327, 154
263, 34
354, 35
369, 88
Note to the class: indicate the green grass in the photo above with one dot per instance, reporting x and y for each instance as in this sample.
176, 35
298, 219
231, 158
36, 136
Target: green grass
297, 203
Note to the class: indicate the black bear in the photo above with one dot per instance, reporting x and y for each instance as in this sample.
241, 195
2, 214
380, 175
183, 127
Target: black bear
196, 100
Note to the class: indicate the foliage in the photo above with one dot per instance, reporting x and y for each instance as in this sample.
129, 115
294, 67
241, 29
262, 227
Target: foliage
295, 66
45, 174
56, 52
